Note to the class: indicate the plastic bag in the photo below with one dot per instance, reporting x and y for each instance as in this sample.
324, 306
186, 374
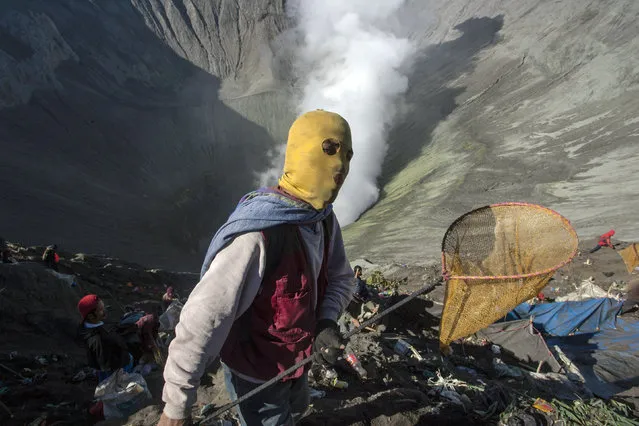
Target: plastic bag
122, 394
170, 318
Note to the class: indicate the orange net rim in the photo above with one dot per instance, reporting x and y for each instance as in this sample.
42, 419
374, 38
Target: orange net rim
569, 226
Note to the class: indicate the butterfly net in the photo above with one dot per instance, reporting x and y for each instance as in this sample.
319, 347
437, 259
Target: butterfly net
494, 258
630, 256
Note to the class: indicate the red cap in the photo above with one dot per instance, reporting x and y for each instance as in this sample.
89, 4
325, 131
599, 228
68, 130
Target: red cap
88, 304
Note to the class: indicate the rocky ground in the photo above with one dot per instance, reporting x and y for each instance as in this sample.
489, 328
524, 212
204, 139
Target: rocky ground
39, 357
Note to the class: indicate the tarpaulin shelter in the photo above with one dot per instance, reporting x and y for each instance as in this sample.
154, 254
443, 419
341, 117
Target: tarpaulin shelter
522, 340
568, 318
604, 347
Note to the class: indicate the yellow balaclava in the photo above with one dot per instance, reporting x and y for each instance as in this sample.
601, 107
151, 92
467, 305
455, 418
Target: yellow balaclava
318, 154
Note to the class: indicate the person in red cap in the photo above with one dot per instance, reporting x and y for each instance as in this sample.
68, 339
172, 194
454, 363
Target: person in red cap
604, 241
106, 351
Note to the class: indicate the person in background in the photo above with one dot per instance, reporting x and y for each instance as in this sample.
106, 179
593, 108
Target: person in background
168, 298
361, 293
5, 254
106, 351
604, 241
51, 258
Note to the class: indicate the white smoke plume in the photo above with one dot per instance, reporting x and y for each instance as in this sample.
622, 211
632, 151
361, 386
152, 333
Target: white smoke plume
351, 63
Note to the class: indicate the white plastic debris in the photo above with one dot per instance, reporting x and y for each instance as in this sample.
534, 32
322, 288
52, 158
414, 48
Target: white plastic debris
504, 369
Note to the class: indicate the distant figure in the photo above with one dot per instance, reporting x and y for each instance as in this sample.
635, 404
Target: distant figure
106, 350
361, 292
50, 257
4, 251
604, 241
168, 298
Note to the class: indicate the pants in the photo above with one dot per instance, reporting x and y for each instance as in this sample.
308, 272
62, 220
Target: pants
595, 249
284, 403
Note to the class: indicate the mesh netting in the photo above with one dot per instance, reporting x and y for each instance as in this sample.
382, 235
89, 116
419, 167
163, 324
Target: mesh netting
630, 256
496, 257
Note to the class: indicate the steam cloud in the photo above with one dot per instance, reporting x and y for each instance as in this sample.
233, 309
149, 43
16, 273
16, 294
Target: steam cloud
352, 64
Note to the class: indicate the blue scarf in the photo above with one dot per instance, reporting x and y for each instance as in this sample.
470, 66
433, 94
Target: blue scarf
259, 210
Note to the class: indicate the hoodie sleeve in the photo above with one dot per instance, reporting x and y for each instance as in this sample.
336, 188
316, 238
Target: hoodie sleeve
340, 277
223, 294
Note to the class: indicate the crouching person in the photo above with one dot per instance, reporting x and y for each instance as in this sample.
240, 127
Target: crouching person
106, 351
274, 280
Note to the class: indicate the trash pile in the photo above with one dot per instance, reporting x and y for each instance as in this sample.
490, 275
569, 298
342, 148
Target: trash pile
508, 373
44, 377
545, 362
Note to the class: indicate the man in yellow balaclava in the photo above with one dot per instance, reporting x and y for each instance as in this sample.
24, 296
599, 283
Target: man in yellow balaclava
318, 154
273, 283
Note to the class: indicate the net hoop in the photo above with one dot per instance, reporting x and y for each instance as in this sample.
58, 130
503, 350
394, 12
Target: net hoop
446, 275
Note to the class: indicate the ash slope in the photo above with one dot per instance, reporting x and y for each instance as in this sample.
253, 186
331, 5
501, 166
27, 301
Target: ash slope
511, 101
112, 133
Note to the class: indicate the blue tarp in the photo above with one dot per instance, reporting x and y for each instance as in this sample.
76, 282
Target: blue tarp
604, 347
608, 360
570, 318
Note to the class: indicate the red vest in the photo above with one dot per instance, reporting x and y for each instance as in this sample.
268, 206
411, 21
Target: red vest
277, 330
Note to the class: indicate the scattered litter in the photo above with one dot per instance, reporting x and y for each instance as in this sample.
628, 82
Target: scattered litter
79, 377
69, 279
467, 370
504, 369
339, 384
496, 349
441, 383
122, 394
558, 386
13, 354
317, 394
354, 362
402, 347
586, 290
42, 360
428, 374
543, 405
84, 374
452, 396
